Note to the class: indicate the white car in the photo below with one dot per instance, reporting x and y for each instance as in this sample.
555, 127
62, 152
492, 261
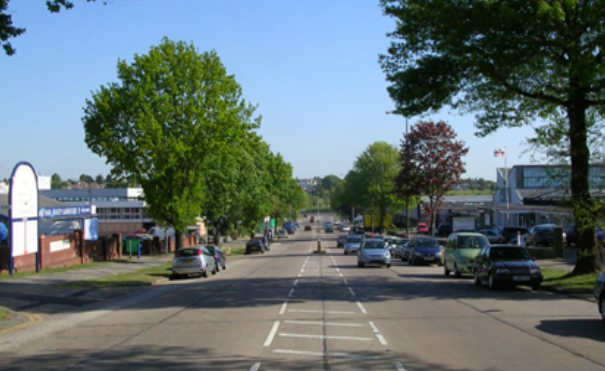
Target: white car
344, 227
193, 261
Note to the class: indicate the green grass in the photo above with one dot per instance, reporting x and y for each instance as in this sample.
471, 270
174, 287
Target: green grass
237, 251
565, 280
4, 314
138, 278
469, 192
56, 270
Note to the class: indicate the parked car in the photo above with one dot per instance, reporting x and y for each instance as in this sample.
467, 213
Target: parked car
493, 235
193, 261
571, 234
256, 244
460, 252
422, 228
219, 257
401, 249
282, 233
499, 265
328, 228
599, 294
541, 235
374, 251
353, 244
512, 232
515, 241
424, 249
444, 229
393, 243
342, 239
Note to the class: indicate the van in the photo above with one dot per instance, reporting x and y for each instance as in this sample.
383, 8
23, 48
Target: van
161, 232
460, 252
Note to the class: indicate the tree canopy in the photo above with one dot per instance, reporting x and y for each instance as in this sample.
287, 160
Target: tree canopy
510, 62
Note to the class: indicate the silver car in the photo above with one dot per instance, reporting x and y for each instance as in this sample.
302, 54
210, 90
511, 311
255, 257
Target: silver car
374, 251
193, 261
353, 244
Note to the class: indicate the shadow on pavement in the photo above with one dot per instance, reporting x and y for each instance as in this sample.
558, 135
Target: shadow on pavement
577, 328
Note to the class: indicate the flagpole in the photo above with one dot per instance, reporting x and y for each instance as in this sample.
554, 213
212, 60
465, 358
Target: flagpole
506, 185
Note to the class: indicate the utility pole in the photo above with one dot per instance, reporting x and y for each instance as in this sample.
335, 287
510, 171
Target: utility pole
407, 150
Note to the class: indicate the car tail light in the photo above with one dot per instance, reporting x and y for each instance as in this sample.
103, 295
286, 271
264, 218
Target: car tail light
199, 252
215, 256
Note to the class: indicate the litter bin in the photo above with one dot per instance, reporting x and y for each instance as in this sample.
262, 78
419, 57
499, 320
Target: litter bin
131, 245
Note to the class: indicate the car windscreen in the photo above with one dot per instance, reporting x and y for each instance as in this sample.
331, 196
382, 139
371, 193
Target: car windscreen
426, 242
373, 245
472, 242
353, 239
183, 253
508, 254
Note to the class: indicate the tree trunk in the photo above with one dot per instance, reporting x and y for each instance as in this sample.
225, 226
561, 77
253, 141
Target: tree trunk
383, 210
178, 240
580, 189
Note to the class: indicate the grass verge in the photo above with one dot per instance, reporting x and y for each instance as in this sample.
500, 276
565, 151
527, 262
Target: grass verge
236, 250
132, 279
4, 314
54, 270
561, 279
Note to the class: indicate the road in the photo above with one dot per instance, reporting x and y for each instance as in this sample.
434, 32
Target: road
293, 309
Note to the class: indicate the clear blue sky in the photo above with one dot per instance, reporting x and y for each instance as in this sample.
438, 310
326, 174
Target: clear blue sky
310, 65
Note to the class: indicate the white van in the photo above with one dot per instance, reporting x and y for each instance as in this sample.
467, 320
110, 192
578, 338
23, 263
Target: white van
161, 232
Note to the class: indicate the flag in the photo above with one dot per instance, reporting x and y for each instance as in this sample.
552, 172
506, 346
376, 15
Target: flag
499, 153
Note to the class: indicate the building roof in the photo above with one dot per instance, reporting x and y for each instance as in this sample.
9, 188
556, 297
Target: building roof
42, 202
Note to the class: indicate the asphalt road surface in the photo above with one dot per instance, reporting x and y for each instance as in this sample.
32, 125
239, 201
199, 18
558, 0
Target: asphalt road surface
294, 309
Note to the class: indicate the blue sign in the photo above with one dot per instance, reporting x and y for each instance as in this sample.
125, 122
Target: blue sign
63, 212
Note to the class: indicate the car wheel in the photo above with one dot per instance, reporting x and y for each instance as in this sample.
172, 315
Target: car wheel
214, 270
388, 265
174, 276
359, 265
477, 279
346, 253
491, 282
205, 274
224, 266
535, 286
446, 272
457, 273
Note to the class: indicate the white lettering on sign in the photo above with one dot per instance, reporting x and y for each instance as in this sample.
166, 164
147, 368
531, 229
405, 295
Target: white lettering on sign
60, 245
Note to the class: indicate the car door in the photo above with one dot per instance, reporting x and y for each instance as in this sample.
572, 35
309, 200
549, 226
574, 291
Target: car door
481, 264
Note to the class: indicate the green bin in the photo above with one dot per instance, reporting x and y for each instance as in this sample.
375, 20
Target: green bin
130, 245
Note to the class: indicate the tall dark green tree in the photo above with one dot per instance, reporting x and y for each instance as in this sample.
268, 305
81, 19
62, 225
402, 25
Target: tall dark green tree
510, 62
172, 108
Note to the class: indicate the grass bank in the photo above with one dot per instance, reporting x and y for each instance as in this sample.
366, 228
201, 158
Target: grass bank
141, 277
561, 279
57, 270
4, 314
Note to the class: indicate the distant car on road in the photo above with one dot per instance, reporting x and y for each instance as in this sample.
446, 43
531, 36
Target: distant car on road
541, 235
308, 227
193, 261
342, 239
401, 249
353, 244
256, 244
444, 229
424, 249
328, 228
422, 228
499, 265
599, 294
374, 252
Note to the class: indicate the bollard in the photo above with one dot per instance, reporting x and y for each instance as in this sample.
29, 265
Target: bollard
319, 245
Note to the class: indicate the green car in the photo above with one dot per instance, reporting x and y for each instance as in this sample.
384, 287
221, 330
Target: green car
460, 252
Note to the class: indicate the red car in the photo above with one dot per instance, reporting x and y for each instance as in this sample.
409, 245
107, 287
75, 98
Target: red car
422, 228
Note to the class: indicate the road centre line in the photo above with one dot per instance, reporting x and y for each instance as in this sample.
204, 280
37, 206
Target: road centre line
295, 282
325, 337
351, 290
283, 307
255, 367
272, 333
291, 292
322, 354
318, 311
346, 282
378, 334
363, 310
398, 366
322, 323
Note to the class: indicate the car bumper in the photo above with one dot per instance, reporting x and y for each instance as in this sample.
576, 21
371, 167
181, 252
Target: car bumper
428, 259
375, 261
187, 269
351, 250
518, 279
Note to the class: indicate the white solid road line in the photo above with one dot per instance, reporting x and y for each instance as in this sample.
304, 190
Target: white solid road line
363, 310
291, 292
272, 334
351, 290
378, 334
346, 282
322, 323
324, 337
322, 354
319, 311
295, 282
283, 308
398, 366
255, 367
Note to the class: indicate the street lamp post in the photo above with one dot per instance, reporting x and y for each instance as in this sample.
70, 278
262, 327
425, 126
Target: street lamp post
407, 197
502, 153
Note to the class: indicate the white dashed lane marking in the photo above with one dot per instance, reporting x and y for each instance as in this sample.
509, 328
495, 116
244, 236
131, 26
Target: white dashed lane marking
272, 334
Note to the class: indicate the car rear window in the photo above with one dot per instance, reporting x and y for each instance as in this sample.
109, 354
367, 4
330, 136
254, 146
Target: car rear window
472, 242
183, 253
354, 239
508, 254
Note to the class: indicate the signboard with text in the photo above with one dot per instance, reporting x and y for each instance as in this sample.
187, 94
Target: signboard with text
23, 200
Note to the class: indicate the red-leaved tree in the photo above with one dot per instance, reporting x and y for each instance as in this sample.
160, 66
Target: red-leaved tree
431, 163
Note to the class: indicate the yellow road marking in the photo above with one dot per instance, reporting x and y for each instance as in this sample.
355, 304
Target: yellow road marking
32, 319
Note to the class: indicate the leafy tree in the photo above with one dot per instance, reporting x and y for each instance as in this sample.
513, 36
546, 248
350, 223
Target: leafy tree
375, 171
173, 108
86, 178
56, 182
100, 179
511, 62
431, 163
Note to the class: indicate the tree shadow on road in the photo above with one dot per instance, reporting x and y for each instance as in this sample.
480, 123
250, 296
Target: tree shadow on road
577, 328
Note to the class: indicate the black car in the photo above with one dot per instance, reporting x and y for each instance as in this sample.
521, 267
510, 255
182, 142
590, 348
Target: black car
541, 235
444, 229
511, 232
599, 294
500, 265
571, 234
255, 245
424, 249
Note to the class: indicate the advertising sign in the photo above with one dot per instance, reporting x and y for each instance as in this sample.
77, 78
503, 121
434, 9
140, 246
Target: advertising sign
23, 200
64, 212
91, 229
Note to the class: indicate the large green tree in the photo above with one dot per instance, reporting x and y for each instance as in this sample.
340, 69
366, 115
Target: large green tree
510, 62
171, 110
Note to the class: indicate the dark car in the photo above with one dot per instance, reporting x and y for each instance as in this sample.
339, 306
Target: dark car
494, 236
599, 294
541, 235
342, 239
308, 227
444, 229
424, 249
219, 257
328, 228
571, 234
500, 265
255, 245
512, 232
